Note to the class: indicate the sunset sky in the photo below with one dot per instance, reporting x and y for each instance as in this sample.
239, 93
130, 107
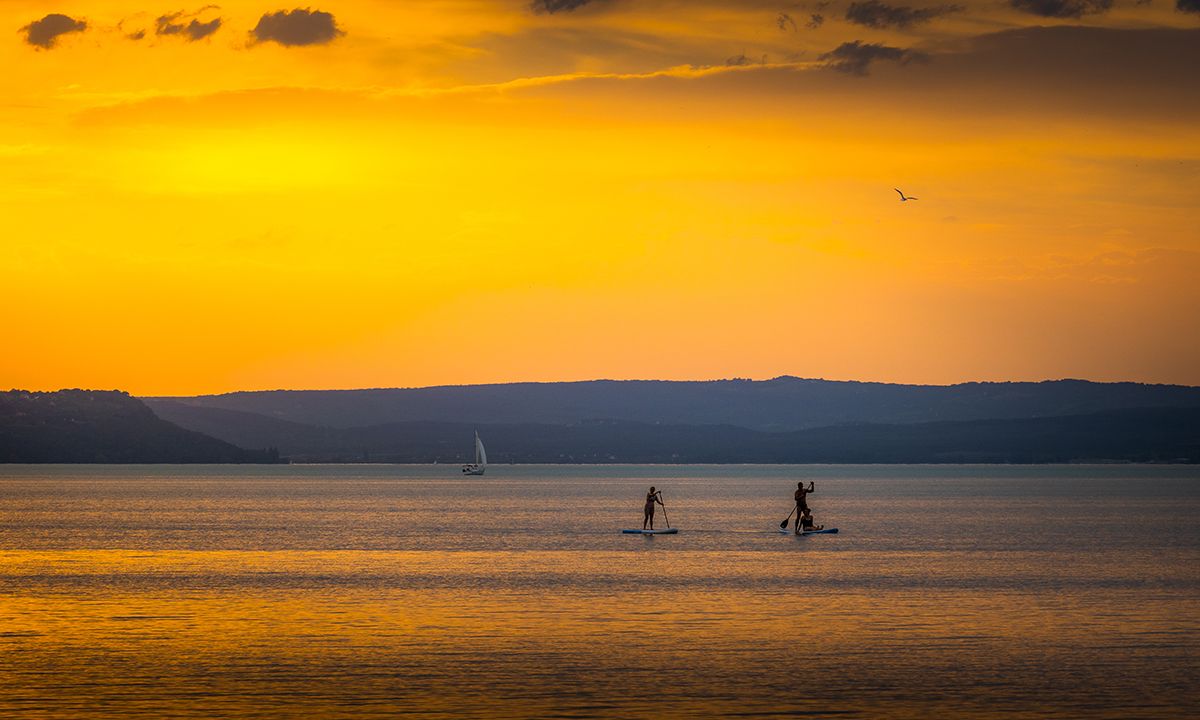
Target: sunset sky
362, 194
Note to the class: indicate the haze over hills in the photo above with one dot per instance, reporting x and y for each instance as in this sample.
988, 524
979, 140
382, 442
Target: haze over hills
780, 420
782, 404
1127, 435
95, 426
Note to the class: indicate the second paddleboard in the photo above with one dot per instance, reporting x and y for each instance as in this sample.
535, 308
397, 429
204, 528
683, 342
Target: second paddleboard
813, 532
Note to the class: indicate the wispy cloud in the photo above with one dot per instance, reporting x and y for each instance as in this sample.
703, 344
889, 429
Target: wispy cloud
876, 14
683, 72
549, 7
1064, 8
187, 25
855, 58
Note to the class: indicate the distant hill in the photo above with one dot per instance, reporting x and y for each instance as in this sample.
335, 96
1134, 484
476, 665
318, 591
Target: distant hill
92, 426
782, 404
1126, 435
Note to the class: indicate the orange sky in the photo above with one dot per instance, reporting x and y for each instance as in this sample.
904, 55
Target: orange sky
460, 191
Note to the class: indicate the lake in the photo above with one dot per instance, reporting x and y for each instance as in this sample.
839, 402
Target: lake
377, 590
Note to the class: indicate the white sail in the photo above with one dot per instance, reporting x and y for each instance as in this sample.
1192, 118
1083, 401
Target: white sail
480, 463
480, 453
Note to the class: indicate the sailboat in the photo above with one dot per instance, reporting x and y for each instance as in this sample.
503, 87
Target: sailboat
480, 464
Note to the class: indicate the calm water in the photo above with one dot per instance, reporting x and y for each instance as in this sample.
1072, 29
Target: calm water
337, 591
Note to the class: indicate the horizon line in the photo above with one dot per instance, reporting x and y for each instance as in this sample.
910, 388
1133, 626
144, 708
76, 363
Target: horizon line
775, 378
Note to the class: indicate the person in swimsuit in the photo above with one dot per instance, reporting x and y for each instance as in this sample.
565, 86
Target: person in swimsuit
801, 502
806, 522
654, 496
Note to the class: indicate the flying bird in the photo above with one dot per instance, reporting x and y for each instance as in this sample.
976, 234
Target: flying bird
903, 197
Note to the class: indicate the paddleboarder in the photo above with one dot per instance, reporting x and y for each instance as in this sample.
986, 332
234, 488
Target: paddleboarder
801, 502
654, 496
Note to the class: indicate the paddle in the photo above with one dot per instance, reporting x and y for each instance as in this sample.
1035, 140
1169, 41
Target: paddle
664, 507
783, 525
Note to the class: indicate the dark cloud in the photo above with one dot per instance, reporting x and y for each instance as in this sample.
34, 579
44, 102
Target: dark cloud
1189, 6
1062, 8
549, 7
194, 30
783, 21
743, 60
876, 14
44, 33
138, 34
296, 27
197, 30
814, 22
855, 58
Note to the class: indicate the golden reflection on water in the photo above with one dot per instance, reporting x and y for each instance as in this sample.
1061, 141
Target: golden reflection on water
331, 633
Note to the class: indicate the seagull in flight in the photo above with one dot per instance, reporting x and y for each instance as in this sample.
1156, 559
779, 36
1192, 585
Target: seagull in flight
903, 197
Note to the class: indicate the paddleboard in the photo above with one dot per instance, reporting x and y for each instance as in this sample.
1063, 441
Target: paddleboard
832, 531
668, 531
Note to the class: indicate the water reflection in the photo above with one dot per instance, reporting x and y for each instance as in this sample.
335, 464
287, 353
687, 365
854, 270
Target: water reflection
326, 595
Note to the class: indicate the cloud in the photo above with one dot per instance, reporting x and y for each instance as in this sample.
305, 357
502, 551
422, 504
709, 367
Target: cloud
197, 30
194, 30
856, 57
1189, 6
876, 14
44, 33
136, 34
1062, 8
549, 7
783, 21
743, 60
296, 28
816, 21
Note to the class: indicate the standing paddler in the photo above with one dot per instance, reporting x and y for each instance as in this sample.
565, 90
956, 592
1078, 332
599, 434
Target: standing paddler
654, 496
801, 502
